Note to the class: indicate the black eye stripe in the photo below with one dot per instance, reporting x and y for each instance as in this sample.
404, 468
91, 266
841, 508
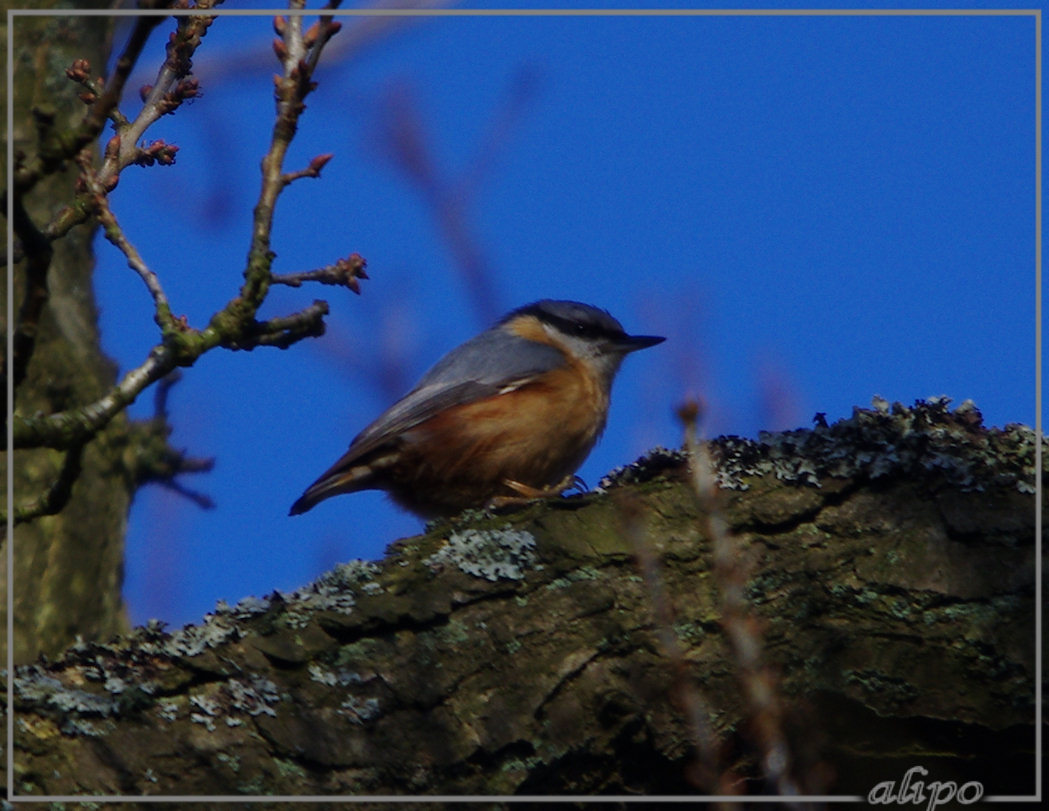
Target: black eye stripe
572, 318
582, 328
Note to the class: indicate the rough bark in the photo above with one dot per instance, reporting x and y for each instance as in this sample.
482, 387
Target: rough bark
68, 566
889, 560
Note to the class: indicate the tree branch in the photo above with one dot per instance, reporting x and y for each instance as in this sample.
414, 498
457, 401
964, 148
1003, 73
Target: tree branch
65, 429
235, 326
57, 496
60, 146
38, 254
523, 654
344, 273
291, 90
115, 234
171, 87
313, 170
285, 331
156, 462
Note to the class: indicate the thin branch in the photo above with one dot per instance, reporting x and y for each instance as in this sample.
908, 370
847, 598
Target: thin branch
150, 458
344, 273
233, 327
115, 234
295, 46
161, 393
65, 221
61, 146
760, 688
318, 34
80, 72
313, 170
57, 495
291, 90
260, 256
172, 86
38, 255
202, 500
284, 331
66, 428
159, 463
685, 693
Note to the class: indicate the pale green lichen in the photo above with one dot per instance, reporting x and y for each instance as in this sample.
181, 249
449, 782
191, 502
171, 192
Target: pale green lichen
193, 640
360, 710
340, 677
249, 695
493, 554
167, 708
926, 438
254, 695
34, 687
232, 761
288, 768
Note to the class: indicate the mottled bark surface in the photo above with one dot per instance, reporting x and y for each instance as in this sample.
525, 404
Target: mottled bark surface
69, 566
520, 654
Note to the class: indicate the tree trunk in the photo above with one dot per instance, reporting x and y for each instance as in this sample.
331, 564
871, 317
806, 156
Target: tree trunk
591, 646
67, 567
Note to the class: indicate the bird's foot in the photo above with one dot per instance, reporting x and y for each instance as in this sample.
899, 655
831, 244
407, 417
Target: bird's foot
527, 493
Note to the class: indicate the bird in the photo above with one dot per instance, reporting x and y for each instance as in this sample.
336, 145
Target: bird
508, 416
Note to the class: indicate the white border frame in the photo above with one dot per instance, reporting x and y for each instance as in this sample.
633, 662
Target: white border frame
1036, 13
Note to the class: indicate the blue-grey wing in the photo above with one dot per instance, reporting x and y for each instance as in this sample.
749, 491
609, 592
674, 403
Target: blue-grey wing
487, 364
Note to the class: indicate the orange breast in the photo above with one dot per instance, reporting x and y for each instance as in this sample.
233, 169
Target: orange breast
536, 435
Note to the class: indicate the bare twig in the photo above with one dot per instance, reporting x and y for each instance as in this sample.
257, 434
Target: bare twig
152, 460
66, 428
38, 255
287, 330
166, 464
115, 234
313, 170
344, 273
63, 429
685, 693
60, 146
759, 685
162, 392
356, 37
57, 495
318, 34
291, 90
80, 72
172, 86
233, 327
202, 500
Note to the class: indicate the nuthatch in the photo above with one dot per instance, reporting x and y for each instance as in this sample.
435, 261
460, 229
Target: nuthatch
509, 415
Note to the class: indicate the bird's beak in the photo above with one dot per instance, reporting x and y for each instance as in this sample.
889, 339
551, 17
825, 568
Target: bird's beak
632, 343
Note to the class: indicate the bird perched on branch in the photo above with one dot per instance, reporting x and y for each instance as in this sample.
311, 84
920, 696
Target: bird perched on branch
508, 416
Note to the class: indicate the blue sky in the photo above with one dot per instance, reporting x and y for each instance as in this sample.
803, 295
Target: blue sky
813, 210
